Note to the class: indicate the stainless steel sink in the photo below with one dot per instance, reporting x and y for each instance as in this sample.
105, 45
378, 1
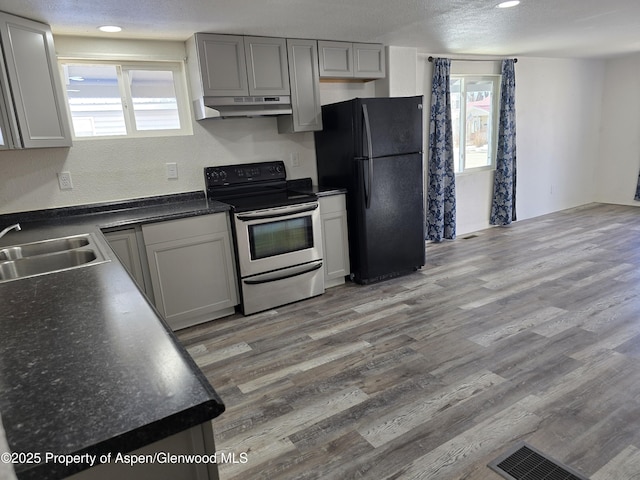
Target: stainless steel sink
48, 256
30, 266
45, 246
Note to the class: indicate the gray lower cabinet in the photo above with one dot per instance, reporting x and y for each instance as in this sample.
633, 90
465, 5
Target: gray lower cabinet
34, 112
196, 441
335, 239
128, 245
192, 269
351, 60
305, 88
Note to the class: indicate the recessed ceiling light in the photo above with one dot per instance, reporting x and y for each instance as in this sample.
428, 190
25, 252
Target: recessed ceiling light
110, 28
509, 4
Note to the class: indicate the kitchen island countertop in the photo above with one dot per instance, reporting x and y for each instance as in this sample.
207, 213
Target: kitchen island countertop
87, 364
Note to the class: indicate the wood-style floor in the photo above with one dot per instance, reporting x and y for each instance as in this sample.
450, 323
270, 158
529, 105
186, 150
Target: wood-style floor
528, 332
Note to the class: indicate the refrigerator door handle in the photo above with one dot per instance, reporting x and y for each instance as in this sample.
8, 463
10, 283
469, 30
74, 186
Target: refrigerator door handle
367, 191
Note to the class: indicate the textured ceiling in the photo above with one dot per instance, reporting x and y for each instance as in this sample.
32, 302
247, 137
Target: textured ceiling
557, 28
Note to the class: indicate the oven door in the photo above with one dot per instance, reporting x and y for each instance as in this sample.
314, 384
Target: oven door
277, 238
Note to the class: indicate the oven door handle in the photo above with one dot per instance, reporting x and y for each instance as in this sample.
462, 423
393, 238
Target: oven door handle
283, 276
246, 218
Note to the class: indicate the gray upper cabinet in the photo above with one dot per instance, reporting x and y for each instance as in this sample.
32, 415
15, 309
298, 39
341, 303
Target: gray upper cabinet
6, 140
223, 66
233, 65
351, 60
267, 69
305, 88
368, 60
34, 113
336, 59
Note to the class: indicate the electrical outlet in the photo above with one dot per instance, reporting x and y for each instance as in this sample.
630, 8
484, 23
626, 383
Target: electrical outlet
295, 159
64, 181
172, 170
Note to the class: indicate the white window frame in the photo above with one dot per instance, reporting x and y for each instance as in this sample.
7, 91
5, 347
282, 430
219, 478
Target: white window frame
495, 111
123, 68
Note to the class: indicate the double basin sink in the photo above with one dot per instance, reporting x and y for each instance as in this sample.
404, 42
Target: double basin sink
49, 256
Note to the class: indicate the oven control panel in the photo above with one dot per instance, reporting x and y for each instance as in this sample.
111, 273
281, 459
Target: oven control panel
245, 173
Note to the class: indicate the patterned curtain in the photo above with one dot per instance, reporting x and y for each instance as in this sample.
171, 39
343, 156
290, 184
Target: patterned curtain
441, 189
637, 197
503, 208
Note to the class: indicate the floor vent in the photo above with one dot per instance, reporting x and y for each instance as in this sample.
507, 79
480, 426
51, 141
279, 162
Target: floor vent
523, 462
468, 237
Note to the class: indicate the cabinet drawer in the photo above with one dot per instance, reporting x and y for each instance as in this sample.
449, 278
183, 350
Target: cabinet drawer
170, 230
333, 203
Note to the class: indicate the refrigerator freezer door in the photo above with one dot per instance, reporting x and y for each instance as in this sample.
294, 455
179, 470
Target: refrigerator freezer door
395, 126
387, 239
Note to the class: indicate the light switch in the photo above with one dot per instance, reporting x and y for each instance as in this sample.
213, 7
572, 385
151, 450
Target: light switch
172, 170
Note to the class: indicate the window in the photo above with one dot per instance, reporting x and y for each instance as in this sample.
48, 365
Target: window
474, 117
109, 99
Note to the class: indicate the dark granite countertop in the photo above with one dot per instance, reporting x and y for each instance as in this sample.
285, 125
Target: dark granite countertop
125, 212
87, 364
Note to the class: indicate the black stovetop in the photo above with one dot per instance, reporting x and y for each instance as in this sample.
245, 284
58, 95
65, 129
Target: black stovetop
253, 186
261, 202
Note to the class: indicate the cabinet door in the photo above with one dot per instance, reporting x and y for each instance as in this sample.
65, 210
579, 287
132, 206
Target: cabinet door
369, 60
267, 68
125, 245
335, 240
222, 64
336, 59
191, 278
191, 267
6, 109
305, 88
36, 86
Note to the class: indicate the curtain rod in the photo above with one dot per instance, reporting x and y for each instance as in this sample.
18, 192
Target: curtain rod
431, 59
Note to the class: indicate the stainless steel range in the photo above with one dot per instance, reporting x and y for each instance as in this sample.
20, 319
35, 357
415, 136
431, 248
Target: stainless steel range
276, 231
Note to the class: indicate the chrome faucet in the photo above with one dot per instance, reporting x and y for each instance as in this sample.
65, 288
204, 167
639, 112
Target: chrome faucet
15, 227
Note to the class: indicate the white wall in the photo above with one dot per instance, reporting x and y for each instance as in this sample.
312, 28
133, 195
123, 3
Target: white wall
332, 92
558, 107
559, 116
106, 170
402, 74
619, 164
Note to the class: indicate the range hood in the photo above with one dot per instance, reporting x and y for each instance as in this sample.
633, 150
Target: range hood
225, 107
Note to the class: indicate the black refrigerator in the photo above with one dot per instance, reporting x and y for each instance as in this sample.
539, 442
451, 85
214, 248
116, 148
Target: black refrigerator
373, 148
